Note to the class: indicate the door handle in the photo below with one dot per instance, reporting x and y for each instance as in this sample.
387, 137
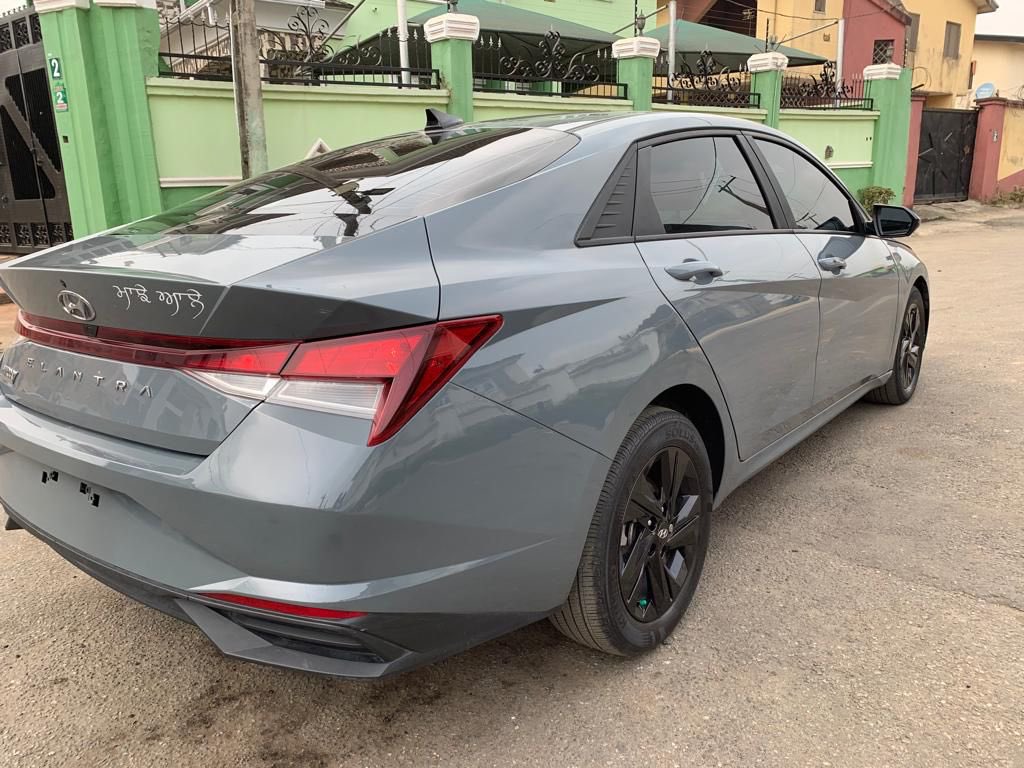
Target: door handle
832, 263
688, 270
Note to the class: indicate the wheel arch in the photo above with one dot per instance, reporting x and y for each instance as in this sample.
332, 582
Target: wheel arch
696, 405
922, 285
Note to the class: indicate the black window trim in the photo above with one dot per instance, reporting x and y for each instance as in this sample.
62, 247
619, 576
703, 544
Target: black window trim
778, 207
643, 177
860, 217
584, 235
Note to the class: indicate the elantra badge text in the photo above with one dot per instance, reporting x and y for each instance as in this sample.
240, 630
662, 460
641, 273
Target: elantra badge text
9, 375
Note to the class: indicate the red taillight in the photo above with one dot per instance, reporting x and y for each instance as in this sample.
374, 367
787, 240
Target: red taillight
411, 365
386, 377
274, 606
265, 358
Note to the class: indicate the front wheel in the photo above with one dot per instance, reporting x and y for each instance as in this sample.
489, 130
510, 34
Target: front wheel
906, 369
646, 545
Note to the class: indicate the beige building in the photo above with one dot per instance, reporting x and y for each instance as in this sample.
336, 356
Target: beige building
1000, 61
809, 25
941, 48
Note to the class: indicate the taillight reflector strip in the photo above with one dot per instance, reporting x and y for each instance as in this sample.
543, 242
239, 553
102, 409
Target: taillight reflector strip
265, 358
275, 606
386, 376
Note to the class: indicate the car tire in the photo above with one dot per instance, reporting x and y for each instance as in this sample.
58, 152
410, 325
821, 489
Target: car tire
906, 367
662, 451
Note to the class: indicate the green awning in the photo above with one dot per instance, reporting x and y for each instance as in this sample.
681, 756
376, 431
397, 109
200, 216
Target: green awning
507, 19
730, 49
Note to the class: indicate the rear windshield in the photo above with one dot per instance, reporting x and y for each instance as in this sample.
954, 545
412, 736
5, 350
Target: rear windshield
367, 187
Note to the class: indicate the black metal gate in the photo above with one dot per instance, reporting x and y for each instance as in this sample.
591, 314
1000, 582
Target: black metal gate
946, 155
33, 200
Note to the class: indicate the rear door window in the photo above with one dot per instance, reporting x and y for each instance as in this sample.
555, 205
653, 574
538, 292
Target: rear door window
701, 185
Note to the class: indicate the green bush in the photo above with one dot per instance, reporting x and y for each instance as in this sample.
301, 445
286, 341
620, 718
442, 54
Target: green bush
872, 196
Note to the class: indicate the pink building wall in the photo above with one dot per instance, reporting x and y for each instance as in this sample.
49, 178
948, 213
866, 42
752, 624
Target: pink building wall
913, 147
867, 21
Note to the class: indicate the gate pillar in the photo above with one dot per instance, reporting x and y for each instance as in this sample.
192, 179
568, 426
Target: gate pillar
988, 148
888, 85
917, 101
104, 53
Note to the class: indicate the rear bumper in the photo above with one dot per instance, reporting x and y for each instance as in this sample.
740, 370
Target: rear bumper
465, 525
358, 648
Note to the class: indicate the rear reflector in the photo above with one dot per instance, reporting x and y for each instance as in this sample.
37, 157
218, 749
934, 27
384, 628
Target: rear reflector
387, 377
291, 609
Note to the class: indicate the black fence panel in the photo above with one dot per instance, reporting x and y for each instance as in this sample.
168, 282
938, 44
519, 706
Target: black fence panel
305, 54
705, 84
545, 67
823, 91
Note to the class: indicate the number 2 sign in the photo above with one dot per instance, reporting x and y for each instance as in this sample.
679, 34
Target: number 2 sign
60, 98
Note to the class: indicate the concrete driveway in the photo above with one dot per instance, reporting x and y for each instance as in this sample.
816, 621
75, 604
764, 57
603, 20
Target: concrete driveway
863, 605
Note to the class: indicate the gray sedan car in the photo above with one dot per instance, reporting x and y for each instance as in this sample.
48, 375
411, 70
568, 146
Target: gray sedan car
376, 407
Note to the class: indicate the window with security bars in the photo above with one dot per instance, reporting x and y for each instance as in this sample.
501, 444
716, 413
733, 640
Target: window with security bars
884, 51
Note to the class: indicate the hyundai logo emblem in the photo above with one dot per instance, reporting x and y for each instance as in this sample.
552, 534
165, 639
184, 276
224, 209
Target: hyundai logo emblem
76, 305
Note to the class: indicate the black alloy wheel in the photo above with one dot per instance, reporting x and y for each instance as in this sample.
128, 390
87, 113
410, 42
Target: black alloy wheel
906, 367
645, 549
660, 534
911, 347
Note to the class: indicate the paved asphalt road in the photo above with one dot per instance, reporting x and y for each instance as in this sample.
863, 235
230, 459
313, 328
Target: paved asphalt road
863, 605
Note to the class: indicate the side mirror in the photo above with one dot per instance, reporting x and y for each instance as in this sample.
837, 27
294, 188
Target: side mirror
895, 221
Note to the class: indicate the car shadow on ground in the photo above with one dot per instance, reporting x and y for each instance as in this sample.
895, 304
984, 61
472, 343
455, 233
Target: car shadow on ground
522, 679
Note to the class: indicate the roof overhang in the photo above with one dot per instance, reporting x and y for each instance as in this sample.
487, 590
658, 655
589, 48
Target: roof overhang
987, 6
894, 9
984, 38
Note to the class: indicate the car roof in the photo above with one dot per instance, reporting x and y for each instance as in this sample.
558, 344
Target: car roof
628, 126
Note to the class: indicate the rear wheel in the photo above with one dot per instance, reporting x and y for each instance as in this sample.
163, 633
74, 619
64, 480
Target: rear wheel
646, 545
906, 369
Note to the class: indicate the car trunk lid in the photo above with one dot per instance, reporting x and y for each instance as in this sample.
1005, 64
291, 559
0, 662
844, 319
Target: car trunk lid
114, 323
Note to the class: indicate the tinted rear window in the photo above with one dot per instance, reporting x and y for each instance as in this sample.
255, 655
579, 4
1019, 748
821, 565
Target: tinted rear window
369, 186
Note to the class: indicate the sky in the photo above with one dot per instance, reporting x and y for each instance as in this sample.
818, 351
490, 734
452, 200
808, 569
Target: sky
1008, 20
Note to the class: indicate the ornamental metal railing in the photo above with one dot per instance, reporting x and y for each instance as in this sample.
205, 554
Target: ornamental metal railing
823, 91
704, 84
303, 54
19, 29
546, 68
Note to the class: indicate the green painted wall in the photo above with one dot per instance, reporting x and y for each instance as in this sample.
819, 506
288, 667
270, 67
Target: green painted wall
755, 115
106, 137
768, 85
608, 15
453, 59
494, 106
849, 133
174, 196
637, 73
855, 179
892, 100
296, 116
